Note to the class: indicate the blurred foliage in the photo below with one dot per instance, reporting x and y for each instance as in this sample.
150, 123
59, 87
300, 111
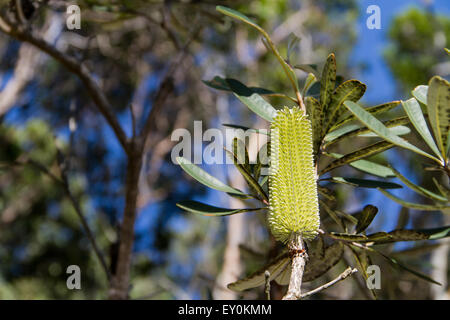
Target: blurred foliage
418, 39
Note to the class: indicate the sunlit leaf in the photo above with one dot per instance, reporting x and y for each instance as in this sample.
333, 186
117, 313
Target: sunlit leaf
252, 100
382, 108
420, 93
438, 106
414, 112
377, 126
205, 178
359, 154
367, 166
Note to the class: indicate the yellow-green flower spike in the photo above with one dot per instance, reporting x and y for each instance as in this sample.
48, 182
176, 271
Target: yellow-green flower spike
294, 207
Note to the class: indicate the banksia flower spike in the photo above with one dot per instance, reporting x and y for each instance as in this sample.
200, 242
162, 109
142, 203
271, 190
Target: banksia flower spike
294, 208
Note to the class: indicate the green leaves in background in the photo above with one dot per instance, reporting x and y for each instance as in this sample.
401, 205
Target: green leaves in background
438, 106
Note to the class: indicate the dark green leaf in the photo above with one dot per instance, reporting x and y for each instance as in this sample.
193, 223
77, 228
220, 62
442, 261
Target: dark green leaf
208, 210
365, 183
359, 154
365, 219
328, 80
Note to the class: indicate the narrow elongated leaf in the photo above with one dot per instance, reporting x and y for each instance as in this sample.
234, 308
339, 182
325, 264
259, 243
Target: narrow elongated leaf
424, 207
351, 90
257, 278
235, 126
359, 154
251, 181
252, 100
367, 166
362, 263
397, 264
420, 93
438, 106
394, 125
208, 210
205, 178
414, 112
333, 215
327, 193
419, 189
328, 80
382, 108
308, 68
314, 109
365, 183
310, 80
377, 126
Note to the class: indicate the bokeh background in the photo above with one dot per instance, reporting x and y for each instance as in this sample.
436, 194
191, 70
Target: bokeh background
129, 46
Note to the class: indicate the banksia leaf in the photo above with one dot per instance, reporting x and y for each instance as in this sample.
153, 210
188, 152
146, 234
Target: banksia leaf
294, 207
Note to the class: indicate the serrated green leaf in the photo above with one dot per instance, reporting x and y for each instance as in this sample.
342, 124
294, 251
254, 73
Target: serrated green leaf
252, 100
357, 155
420, 93
367, 166
351, 90
419, 189
205, 178
382, 108
314, 109
377, 126
328, 81
414, 112
418, 206
208, 210
438, 107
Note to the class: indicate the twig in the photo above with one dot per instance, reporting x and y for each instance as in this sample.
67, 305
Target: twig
348, 272
267, 285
